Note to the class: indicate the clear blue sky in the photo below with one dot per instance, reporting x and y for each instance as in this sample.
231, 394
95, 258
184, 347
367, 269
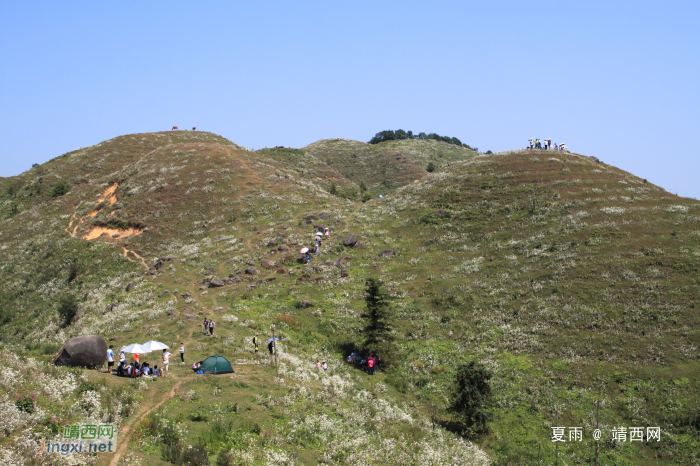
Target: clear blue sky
617, 80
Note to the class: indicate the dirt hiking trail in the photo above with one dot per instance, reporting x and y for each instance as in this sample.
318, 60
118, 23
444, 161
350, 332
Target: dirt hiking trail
128, 430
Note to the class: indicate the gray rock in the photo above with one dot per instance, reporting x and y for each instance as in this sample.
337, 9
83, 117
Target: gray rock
386, 253
250, 271
270, 279
163, 293
336, 262
305, 304
130, 286
272, 243
238, 271
185, 295
211, 270
112, 338
344, 273
350, 240
85, 351
216, 282
324, 216
203, 287
172, 311
282, 247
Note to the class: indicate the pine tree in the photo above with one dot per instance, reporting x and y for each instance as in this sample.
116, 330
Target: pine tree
472, 397
378, 330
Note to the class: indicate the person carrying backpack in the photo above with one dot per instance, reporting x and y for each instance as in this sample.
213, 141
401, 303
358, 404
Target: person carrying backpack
256, 342
211, 328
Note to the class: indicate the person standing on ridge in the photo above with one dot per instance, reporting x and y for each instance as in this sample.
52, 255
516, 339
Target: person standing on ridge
182, 353
256, 342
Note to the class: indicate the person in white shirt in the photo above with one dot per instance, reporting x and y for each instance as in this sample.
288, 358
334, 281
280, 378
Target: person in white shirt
166, 362
110, 359
182, 353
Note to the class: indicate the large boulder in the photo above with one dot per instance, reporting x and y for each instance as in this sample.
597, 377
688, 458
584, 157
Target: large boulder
216, 282
85, 351
350, 240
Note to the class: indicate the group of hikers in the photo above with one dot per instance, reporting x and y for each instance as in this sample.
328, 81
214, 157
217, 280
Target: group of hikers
270, 344
537, 143
208, 327
368, 363
137, 369
318, 242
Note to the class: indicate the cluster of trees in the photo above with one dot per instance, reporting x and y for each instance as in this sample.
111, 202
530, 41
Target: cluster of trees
390, 135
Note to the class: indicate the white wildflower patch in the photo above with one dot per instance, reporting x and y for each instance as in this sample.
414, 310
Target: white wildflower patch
677, 208
229, 318
613, 210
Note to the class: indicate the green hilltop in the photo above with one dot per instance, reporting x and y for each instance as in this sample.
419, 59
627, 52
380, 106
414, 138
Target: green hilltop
572, 282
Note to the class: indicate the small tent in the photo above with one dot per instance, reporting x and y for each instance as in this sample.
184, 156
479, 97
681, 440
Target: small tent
216, 365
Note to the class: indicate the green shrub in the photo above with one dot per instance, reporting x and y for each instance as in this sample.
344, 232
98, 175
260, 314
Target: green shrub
431, 167
472, 397
25, 404
67, 307
225, 458
200, 414
59, 189
366, 196
195, 456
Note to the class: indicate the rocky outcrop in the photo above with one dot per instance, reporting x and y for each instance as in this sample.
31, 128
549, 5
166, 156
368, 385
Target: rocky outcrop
85, 351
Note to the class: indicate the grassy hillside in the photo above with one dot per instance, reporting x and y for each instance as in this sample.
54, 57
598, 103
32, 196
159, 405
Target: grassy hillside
385, 166
573, 282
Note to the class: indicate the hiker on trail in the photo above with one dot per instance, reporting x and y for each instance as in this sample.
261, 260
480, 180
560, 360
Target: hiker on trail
324, 365
327, 233
206, 325
317, 244
182, 353
308, 257
318, 365
211, 328
110, 359
271, 347
166, 362
256, 342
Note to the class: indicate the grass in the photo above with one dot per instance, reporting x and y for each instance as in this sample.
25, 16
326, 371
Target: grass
574, 282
